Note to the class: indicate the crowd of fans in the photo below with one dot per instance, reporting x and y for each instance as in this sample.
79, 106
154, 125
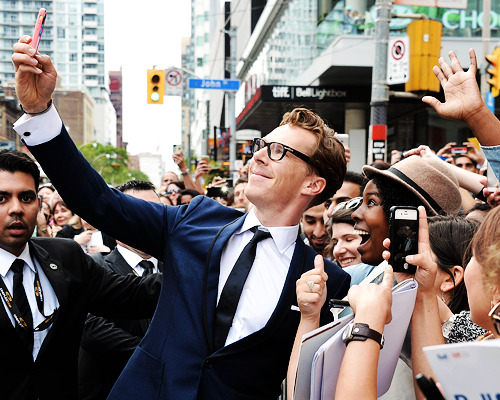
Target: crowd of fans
458, 261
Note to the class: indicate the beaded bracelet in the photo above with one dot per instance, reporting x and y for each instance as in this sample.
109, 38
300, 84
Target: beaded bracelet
49, 104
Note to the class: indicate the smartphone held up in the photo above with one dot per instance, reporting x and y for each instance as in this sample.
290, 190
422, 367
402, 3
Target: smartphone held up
403, 227
39, 25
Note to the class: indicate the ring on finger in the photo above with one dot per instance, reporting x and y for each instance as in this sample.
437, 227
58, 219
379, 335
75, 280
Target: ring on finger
310, 284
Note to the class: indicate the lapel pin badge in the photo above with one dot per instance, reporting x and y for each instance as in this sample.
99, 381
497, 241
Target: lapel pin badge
53, 266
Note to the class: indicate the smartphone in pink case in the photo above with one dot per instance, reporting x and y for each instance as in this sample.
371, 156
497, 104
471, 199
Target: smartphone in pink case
40, 23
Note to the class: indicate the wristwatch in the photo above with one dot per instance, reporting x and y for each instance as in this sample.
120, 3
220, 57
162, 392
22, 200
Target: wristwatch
361, 332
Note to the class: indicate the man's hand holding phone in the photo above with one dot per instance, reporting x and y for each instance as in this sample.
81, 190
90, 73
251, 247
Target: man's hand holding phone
35, 76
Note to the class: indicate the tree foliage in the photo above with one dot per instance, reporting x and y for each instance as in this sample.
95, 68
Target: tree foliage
111, 162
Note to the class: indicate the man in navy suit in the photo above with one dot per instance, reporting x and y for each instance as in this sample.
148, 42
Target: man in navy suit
297, 165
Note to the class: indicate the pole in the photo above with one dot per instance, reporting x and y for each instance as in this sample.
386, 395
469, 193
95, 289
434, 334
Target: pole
206, 147
486, 34
380, 90
231, 99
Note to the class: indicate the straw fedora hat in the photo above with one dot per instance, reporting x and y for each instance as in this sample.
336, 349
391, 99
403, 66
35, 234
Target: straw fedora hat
429, 179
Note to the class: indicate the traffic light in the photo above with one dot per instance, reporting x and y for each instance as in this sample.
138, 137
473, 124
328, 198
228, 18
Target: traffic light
156, 86
425, 50
494, 81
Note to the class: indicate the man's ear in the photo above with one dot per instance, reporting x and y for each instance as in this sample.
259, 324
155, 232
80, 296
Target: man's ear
315, 185
458, 275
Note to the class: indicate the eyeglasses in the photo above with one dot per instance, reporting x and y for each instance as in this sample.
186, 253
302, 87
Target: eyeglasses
494, 314
352, 204
276, 151
169, 192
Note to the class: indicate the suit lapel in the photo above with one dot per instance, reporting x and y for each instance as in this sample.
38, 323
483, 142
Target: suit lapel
117, 263
211, 276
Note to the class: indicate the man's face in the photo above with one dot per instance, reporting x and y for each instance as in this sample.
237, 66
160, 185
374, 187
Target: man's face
465, 163
19, 206
240, 200
148, 195
169, 177
280, 183
314, 228
347, 191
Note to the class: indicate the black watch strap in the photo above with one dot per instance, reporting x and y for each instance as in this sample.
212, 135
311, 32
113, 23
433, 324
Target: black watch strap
361, 332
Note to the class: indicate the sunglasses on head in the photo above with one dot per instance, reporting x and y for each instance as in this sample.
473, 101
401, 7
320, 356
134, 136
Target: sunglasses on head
352, 204
494, 314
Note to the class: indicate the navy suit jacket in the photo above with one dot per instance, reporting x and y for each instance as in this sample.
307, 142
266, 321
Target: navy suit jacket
107, 344
176, 359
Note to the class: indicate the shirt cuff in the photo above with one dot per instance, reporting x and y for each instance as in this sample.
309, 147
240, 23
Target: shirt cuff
38, 129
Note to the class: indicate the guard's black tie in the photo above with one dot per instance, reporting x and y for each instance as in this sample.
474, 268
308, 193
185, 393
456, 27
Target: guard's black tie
148, 267
230, 296
21, 301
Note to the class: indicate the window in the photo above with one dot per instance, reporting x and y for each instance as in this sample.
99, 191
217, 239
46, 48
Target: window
199, 40
199, 62
73, 57
61, 33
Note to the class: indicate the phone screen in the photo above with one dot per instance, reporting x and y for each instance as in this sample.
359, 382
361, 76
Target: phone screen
404, 237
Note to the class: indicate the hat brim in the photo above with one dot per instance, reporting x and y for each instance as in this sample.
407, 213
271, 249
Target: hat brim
371, 172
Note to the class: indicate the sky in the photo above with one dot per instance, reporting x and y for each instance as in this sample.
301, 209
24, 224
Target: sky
137, 37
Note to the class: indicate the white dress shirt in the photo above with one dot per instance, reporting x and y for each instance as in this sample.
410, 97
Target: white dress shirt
50, 302
133, 259
266, 279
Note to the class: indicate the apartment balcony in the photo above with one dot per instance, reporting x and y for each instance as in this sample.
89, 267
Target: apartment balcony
90, 38
90, 24
90, 60
90, 10
90, 49
91, 83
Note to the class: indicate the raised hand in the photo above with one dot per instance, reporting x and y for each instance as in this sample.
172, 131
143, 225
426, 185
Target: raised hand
35, 76
462, 97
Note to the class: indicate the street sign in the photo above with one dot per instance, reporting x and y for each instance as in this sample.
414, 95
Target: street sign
173, 82
398, 60
7, 145
230, 85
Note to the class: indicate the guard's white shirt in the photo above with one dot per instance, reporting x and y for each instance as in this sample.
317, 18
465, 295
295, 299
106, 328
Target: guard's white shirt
266, 279
265, 282
50, 302
133, 259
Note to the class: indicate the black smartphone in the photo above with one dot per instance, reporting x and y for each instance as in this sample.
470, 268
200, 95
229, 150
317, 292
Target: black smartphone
403, 232
220, 191
40, 196
428, 388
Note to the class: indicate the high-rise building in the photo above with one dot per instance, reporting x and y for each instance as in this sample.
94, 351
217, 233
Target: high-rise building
73, 37
115, 91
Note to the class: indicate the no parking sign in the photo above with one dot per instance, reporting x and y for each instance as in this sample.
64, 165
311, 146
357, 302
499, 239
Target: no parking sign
398, 60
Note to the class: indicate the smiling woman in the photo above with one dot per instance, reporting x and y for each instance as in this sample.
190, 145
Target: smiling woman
410, 182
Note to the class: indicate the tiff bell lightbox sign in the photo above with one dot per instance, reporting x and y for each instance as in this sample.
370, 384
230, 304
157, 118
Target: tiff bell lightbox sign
313, 93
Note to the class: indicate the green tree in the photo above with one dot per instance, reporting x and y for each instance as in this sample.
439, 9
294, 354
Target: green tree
111, 163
